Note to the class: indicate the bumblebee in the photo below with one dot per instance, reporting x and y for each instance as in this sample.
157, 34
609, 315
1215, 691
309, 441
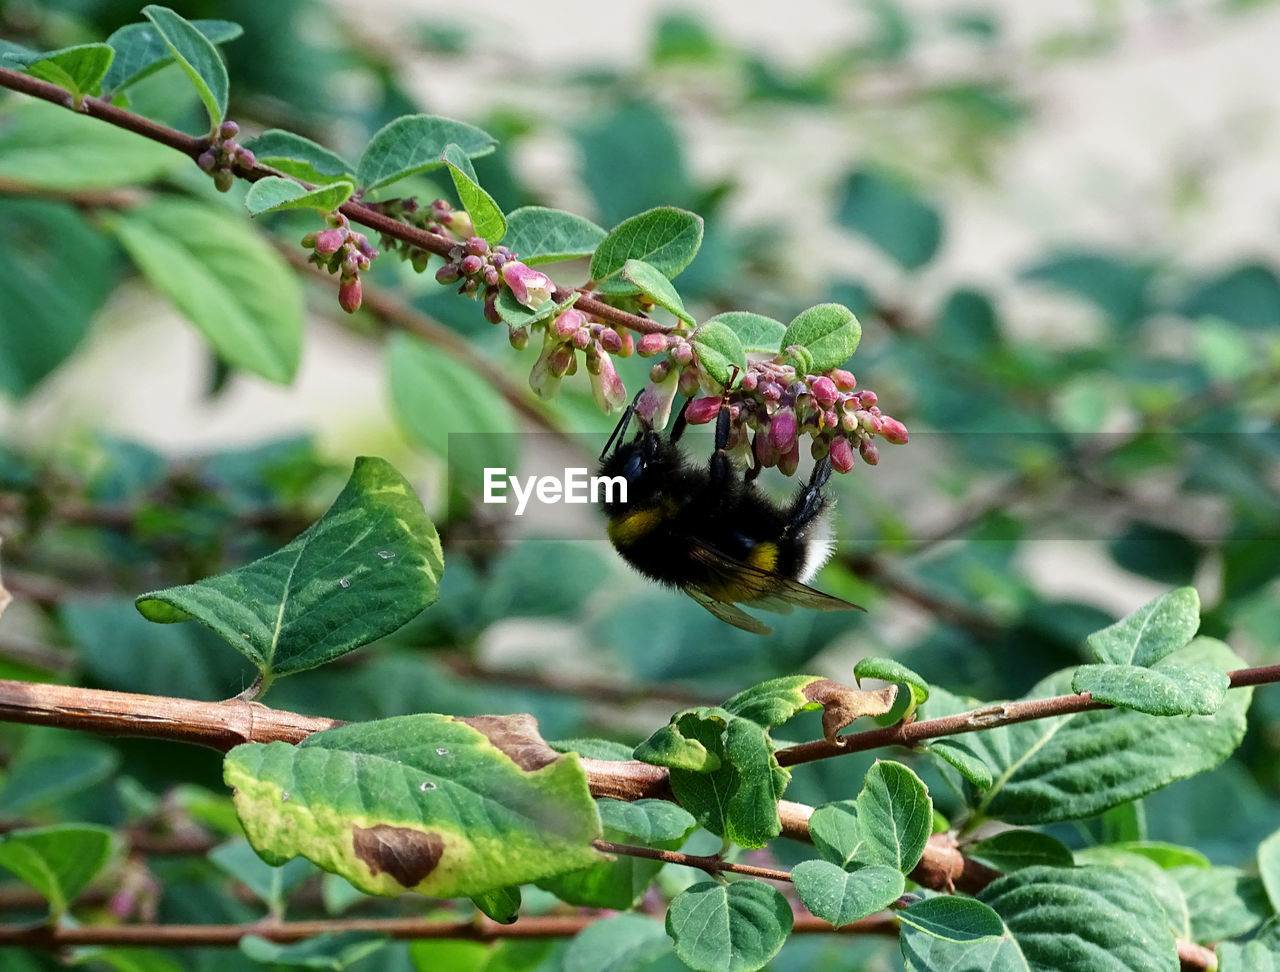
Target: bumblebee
710, 532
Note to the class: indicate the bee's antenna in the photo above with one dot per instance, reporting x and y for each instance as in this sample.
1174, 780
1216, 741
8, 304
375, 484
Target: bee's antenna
620, 429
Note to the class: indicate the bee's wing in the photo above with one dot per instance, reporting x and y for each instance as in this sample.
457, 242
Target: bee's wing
729, 613
761, 588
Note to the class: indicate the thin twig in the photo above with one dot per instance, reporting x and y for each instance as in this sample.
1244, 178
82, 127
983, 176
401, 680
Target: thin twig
709, 863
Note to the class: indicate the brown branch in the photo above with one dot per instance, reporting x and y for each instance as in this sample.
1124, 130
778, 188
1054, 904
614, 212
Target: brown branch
357, 212
703, 862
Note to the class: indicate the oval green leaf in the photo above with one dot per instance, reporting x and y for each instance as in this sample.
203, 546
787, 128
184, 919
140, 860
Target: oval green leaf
57, 861
445, 806
1012, 850
719, 352
829, 332
733, 928
758, 334
839, 896
1159, 627
198, 58
540, 235
950, 932
141, 50
300, 157
888, 670
273, 194
224, 277
623, 943
78, 70
366, 567
415, 143
656, 287
888, 824
486, 218
1165, 690
666, 238
891, 216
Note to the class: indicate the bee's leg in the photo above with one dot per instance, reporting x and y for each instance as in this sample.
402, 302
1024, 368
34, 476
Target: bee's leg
620, 429
809, 502
721, 465
681, 423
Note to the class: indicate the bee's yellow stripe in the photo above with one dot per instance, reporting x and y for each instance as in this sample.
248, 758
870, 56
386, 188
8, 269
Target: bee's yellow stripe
632, 526
763, 556
747, 585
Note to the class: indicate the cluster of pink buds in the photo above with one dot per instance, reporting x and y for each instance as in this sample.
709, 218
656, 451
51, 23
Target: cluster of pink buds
439, 219
341, 250
572, 331
223, 154
773, 406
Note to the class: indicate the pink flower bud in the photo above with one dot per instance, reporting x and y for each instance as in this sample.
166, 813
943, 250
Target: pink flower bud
789, 461
870, 454
606, 387
782, 431
491, 313
611, 340
749, 381
841, 454
448, 274
844, 380
867, 398
660, 371
246, 158
702, 410
682, 353
824, 392
893, 430
627, 344
228, 129
207, 160
766, 454
688, 382
328, 241
471, 264
651, 344
491, 276
460, 223
349, 295
529, 287
654, 404
477, 245
581, 338
771, 391
519, 337
440, 210
562, 361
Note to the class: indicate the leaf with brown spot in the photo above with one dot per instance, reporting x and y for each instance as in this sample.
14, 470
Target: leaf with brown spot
443, 806
773, 702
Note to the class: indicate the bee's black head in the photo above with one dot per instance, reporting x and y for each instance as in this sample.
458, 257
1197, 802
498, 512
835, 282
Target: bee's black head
646, 462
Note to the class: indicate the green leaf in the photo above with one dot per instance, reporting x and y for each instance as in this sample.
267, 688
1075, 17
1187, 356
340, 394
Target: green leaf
52, 287
888, 670
656, 287
891, 216
723, 771
301, 158
451, 410
1223, 902
328, 950
57, 861
1143, 871
141, 50
78, 70
445, 806
1249, 957
949, 932
758, 334
620, 883
540, 235
416, 143
1166, 556
632, 158
888, 824
1092, 918
270, 885
198, 58
829, 332
719, 352
967, 327
839, 896
666, 238
1165, 690
1159, 627
51, 766
225, 278
1269, 866
1248, 295
1115, 284
500, 904
370, 564
1075, 766
1016, 849
622, 943
273, 194
44, 146
486, 217
733, 928
773, 702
